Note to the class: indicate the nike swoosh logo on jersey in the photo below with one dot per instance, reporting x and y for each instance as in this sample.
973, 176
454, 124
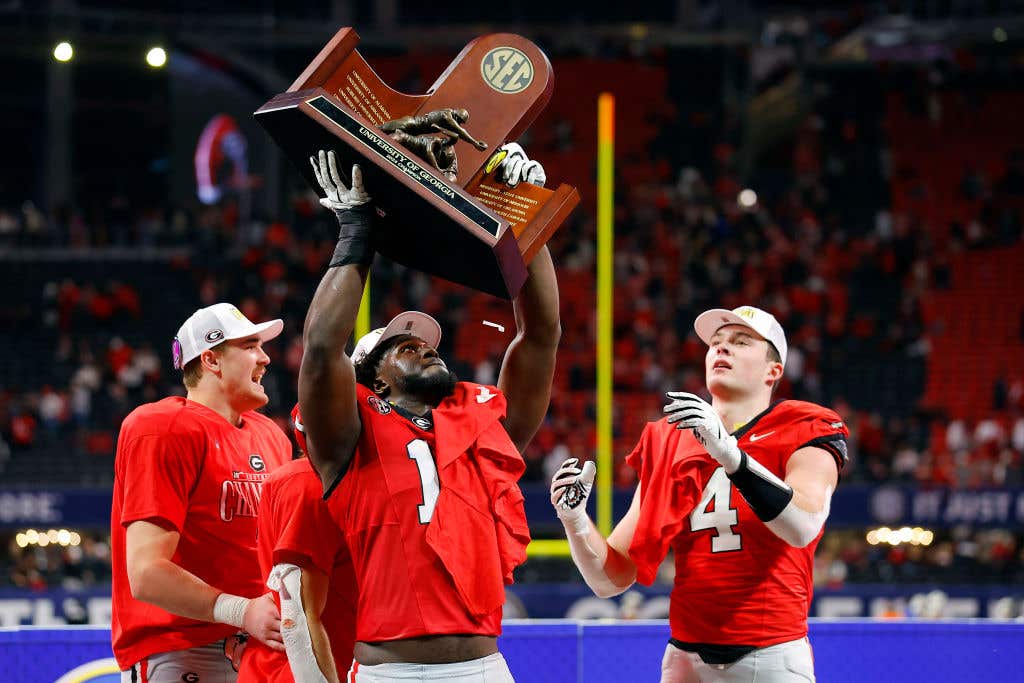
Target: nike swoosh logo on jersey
758, 437
485, 395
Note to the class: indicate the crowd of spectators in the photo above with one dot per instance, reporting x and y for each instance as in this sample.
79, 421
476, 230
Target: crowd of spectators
959, 556
683, 248
36, 568
848, 298
849, 303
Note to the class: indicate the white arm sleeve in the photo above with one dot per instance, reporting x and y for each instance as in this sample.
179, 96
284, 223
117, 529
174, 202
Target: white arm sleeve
583, 539
797, 526
286, 579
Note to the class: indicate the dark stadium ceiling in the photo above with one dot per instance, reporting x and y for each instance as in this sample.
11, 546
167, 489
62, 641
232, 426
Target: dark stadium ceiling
569, 23
259, 40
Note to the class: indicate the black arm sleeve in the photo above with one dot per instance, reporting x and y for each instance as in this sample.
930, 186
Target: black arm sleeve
766, 494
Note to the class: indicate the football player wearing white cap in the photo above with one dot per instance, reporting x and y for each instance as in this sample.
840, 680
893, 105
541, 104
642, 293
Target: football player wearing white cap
421, 471
188, 474
739, 489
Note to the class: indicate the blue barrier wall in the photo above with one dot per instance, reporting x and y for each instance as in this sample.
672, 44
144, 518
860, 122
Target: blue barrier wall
565, 651
57, 608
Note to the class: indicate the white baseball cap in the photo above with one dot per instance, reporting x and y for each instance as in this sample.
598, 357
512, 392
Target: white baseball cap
411, 322
214, 324
762, 322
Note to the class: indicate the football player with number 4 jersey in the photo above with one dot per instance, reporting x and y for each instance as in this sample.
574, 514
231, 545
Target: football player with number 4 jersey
740, 490
420, 471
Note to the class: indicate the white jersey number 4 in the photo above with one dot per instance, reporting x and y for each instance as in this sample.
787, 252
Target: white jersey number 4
419, 451
721, 517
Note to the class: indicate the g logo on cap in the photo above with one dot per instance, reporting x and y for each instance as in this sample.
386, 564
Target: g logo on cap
214, 336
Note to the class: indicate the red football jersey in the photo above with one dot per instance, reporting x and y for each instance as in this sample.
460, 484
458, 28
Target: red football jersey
433, 516
737, 583
295, 527
183, 463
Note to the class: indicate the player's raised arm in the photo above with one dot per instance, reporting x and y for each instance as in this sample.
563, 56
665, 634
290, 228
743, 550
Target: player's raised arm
529, 363
327, 381
604, 564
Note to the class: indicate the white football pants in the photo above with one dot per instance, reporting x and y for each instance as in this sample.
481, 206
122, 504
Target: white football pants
790, 662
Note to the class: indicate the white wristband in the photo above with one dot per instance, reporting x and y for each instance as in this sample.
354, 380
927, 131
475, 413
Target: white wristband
230, 609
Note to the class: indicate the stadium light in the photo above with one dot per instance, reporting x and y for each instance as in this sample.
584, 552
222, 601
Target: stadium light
913, 536
156, 57
61, 537
63, 52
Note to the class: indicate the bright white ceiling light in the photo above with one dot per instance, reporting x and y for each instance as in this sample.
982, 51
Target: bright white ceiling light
63, 52
156, 57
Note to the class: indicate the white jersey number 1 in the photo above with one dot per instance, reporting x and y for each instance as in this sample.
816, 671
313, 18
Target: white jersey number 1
722, 518
419, 451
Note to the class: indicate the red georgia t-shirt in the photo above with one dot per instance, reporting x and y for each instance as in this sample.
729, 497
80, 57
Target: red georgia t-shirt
183, 465
295, 527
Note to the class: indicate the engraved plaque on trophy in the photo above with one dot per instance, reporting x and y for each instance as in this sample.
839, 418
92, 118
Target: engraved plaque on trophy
428, 160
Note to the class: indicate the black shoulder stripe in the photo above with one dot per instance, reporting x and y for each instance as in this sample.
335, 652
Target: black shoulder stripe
334, 484
341, 473
835, 444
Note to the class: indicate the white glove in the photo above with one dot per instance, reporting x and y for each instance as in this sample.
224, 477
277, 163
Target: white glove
689, 411
339, 197
570, 489
516, 167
